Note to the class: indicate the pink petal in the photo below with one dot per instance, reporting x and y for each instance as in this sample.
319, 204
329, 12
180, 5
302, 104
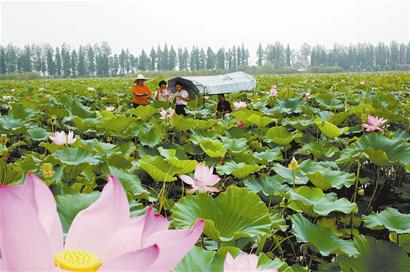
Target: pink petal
212, 180
186, 179
212, 189
139, 260
154, 222
24, 244
201, 172
39, 196
128, 238
125, 240
92, 228
174, 245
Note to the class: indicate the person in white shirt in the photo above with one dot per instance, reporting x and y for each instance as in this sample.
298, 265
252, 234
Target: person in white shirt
181, 99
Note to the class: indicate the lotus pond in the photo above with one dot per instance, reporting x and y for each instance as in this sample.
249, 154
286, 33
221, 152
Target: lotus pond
313, 175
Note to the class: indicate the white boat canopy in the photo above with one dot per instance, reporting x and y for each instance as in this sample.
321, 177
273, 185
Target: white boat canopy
211, 85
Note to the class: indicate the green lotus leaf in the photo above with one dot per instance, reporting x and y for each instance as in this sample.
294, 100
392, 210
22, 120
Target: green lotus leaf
288, 105
339, 117
331, 179
198, 259
76, 156
299, 124
131, 183
323, 239
329, 101
144, 113
286, 173
318, 150
158, 168
12, 126
213, 148
235, 145
184, 166
243, 114
75, 107
375, 255
117, 124
269, 155
268, 185
68, 206
314, 202
390, 219
19, 111
37, 134
82, 124
383, 151
279, 135
149, 134
234, 214
327, 128
260, 121
404, 240
238, 170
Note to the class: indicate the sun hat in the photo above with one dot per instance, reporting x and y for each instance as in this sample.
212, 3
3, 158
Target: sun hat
140, 76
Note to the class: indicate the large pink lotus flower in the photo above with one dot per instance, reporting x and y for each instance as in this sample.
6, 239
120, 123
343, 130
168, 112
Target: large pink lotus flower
374, 123
240, 124
203, 180
167, 114
243, 262
101, 237
60, 138
239, 105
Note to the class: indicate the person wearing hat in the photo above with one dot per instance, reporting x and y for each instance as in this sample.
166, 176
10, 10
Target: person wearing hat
140, 92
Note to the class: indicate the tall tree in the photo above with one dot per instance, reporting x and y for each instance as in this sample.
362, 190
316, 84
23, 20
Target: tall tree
259, 55
122, 61
165, 58
153, 59
115, 64
91, 60
143, 61
3, 68
74, 63
210, 59
220, 59
81, 67
66, 60
288, 55
172, 63
59, 65
51, 66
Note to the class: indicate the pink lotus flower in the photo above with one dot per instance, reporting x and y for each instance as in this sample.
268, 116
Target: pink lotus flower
273, 92
243, 262
110, 108
239, 105
101, 237
203, 180
60, 138
374, 123
240, 124
167, 114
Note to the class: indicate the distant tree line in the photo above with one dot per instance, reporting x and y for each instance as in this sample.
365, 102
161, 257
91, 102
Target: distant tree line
99, 60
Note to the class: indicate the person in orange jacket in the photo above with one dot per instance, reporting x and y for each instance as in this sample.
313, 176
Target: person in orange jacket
140, 92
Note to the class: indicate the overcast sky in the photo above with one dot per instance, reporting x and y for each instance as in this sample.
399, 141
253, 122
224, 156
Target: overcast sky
216, 23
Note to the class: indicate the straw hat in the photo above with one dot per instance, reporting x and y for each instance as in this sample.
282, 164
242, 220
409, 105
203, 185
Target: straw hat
140, 76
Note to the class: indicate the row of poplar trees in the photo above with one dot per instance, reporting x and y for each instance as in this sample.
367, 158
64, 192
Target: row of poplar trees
99, 60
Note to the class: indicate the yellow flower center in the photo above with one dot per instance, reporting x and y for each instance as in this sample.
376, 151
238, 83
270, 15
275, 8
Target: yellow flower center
77, 260
293, 165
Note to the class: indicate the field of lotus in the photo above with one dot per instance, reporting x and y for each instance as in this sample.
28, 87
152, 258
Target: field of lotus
308, 173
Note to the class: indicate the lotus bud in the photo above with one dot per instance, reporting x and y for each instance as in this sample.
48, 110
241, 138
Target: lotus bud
293, 164
47, 170
3, 139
